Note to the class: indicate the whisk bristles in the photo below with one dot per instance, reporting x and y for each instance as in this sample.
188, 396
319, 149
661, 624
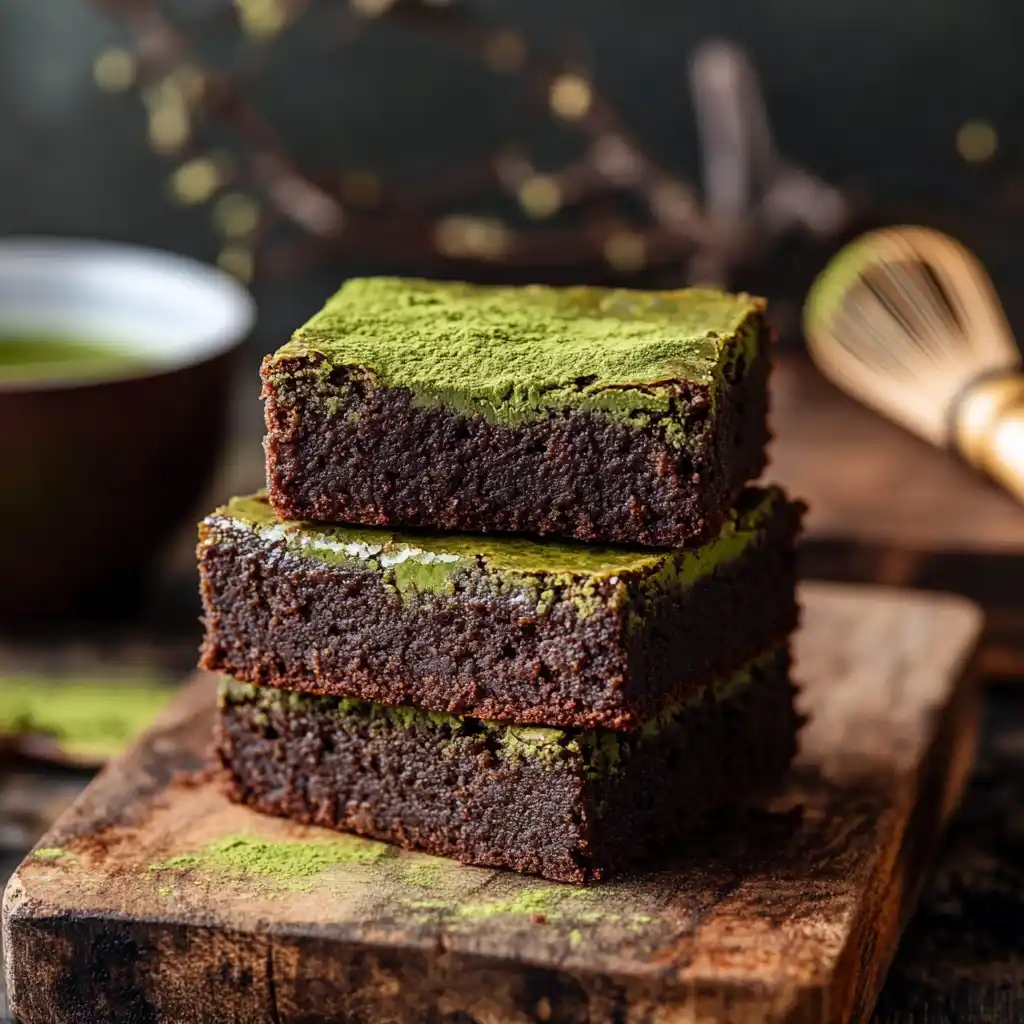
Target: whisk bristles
906, 320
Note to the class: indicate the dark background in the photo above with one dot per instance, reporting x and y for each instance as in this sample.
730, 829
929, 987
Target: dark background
868, 93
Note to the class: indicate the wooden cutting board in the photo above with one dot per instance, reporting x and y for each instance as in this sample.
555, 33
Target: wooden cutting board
789, 910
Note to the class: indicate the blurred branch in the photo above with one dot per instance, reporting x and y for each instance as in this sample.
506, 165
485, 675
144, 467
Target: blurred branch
751, 196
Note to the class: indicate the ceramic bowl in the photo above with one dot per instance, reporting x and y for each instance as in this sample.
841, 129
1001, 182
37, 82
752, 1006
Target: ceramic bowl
96, 473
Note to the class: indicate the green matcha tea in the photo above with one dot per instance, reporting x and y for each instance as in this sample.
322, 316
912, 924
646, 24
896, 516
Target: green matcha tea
40, 357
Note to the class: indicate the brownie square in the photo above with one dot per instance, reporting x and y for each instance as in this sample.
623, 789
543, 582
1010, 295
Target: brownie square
597, 414
555, 633
571, 805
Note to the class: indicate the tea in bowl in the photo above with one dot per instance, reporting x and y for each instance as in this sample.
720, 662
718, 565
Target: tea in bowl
114, 377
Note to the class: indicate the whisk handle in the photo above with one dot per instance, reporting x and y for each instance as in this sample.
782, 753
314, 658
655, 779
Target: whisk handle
989, 430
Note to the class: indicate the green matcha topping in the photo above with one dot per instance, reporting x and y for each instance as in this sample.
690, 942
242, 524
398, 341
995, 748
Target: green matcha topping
537, 573
599, 750
513, 354
92, 717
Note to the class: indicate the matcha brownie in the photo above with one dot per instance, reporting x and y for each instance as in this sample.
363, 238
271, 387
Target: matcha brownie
571, 805
556, 633
603, 415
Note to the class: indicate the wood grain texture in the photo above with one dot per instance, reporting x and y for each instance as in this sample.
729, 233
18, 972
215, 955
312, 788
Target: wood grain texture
787, 911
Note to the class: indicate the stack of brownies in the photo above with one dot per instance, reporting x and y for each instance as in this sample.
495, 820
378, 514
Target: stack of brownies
597, 658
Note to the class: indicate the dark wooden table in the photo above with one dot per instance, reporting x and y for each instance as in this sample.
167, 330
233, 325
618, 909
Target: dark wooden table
885, 507
888, 508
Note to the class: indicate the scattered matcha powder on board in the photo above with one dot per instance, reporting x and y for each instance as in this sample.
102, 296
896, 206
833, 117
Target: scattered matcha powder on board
425, 870
282, 867
549, 902
92, 717
52, 853
287, 865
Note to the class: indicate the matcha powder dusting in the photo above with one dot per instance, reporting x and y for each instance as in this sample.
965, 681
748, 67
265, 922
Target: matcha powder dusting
513, 354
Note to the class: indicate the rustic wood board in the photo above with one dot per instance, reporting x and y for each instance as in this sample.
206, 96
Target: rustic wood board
786, 911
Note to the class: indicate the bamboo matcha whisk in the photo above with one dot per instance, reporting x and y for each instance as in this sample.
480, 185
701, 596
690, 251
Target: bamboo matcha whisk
907, 321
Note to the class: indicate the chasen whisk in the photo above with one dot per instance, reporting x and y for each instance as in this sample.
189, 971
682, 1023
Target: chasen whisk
907, 321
